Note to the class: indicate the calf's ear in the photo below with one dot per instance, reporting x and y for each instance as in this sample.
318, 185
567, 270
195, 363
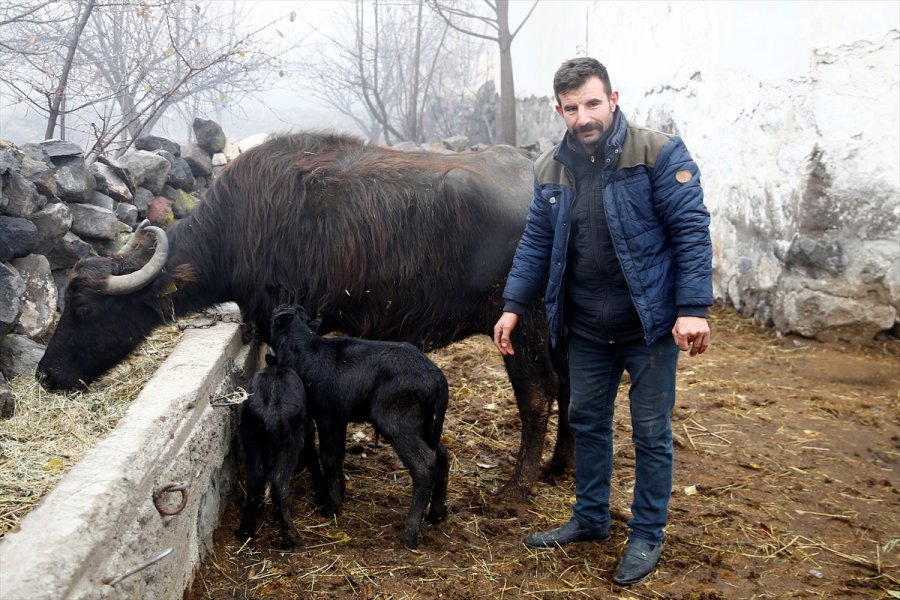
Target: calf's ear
281, 321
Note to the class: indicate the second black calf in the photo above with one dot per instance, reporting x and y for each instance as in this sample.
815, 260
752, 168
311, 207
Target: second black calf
276, 433
393, 386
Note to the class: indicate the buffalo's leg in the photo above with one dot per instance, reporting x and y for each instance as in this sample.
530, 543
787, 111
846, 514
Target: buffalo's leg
534, 381
563, 460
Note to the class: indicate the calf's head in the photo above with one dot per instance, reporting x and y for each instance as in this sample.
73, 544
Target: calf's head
290, 324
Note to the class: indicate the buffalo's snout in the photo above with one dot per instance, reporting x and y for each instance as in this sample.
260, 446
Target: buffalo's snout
53, 382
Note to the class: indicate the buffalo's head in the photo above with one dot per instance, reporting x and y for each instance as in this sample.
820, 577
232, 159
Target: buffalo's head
111, 306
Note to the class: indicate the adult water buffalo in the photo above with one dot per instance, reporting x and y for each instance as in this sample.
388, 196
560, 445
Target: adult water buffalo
383, 244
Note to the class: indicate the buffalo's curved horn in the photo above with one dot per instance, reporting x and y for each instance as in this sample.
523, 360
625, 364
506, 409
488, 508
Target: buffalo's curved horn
118, 285
128, 246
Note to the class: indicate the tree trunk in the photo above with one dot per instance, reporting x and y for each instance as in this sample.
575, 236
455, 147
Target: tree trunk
507, 86
56, 102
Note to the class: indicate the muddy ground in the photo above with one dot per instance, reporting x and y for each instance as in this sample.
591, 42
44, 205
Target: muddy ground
786, 486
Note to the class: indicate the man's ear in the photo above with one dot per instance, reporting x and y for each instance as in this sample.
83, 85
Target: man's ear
559, 110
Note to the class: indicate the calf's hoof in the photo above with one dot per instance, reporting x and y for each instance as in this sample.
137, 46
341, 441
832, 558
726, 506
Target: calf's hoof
289, 540
410, 540
436, 515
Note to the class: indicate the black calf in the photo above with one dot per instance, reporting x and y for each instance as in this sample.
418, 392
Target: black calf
276, 432
391, 385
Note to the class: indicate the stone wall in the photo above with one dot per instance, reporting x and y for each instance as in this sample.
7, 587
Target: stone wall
55, 209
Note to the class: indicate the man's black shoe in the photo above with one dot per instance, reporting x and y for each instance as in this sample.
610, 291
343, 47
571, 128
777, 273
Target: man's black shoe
568, 533
638, 561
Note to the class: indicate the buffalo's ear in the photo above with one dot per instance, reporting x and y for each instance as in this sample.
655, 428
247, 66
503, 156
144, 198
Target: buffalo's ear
315, 324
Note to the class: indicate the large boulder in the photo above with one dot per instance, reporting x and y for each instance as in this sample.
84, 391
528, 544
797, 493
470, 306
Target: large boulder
68, 251
209, 135
19, 197
12, 287
147, 169
112, 181
19, 235
19, 355
94, 222
151, 143
198, 159
40, 298
52, 223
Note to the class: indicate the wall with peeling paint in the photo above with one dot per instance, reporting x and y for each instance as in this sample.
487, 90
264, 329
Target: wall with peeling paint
792, 111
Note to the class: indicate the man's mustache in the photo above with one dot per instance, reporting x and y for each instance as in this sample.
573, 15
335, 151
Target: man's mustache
598, 127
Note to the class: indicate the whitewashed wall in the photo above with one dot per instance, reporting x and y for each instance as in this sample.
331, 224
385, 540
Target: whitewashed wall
792, 110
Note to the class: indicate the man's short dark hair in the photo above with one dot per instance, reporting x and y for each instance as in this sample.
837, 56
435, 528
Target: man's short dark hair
575, 71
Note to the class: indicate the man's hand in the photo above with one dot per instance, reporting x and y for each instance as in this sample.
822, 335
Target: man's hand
502, 329
690, 333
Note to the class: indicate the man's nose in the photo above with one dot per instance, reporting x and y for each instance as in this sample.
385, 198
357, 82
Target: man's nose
583, 116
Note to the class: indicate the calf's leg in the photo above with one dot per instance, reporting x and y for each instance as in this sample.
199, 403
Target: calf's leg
420, 460
437, 510
332, 442
309, 458
283, 464
254, 457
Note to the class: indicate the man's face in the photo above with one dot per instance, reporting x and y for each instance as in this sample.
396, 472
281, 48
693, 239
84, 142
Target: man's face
588, 112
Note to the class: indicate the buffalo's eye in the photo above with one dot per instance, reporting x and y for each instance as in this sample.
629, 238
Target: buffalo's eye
83, 312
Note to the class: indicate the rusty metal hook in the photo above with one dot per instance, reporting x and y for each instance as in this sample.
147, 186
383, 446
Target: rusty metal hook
171, 487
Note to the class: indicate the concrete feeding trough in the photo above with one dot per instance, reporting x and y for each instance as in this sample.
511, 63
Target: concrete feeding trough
134, 518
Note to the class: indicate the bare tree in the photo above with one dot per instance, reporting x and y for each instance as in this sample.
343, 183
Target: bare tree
59, 94
387, 66
123, 65
463, 17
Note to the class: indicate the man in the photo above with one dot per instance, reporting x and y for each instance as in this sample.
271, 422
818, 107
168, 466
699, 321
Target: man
618, 223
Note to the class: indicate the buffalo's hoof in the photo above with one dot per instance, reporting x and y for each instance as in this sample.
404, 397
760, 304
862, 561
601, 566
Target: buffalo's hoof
556, 471
518, 491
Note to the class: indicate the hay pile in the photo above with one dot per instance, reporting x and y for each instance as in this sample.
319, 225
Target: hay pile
51, 432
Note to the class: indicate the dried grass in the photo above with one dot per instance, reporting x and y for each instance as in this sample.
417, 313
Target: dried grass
52, 431
765, 504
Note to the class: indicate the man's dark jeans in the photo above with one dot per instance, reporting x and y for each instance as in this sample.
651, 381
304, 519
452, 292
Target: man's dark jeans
596, 371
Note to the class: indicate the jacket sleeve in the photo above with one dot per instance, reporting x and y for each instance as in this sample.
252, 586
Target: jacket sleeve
678, 200
528, 274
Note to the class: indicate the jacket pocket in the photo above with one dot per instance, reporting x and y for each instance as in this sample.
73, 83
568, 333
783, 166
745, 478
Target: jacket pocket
635, 197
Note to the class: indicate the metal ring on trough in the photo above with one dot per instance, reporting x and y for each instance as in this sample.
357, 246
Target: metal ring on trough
171, 487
